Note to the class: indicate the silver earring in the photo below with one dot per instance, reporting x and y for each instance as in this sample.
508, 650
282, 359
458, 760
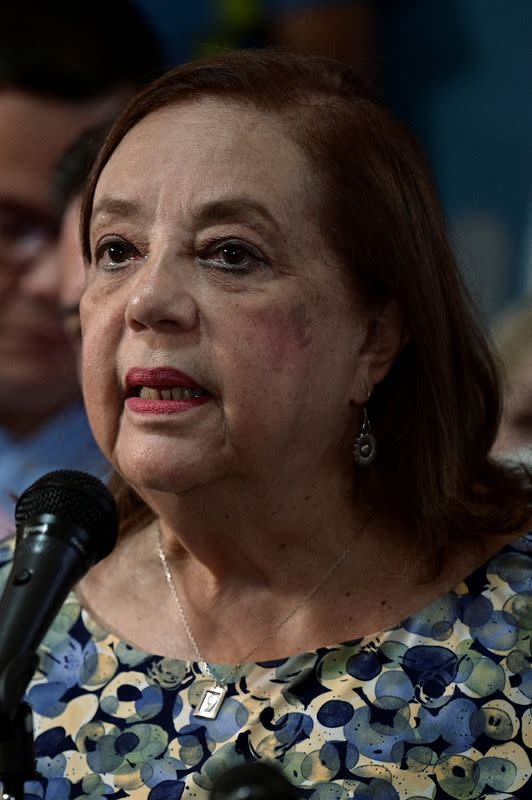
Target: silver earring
365, 447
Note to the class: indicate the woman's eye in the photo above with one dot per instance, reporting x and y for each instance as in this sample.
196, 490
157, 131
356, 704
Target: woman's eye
112, 254
231, 257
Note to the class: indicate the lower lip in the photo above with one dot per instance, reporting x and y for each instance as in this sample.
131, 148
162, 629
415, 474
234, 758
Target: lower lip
141, 406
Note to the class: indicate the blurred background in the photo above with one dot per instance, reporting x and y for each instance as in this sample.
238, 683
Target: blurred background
458, 72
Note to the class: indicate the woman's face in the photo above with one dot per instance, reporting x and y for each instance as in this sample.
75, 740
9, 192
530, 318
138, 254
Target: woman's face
222, 339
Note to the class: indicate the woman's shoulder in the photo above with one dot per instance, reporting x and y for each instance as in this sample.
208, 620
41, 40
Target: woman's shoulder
502, 563
508, 574
505, 571
512, 562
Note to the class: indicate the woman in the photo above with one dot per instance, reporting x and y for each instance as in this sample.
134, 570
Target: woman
282, 365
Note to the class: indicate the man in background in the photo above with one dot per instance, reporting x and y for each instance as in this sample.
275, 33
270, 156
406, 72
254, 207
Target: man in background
63, 68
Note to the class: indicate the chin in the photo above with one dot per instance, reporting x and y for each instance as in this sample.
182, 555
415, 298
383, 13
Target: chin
163, 474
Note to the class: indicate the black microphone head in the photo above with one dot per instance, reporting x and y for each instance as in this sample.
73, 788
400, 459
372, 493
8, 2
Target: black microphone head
79, 497
258, 780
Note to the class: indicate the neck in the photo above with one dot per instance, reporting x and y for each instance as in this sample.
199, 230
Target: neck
236, 535
303, 571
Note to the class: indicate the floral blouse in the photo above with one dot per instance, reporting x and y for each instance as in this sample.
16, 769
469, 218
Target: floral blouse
437, 707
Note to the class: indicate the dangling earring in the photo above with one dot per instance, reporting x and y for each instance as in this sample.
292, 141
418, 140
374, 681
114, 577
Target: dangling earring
365, 447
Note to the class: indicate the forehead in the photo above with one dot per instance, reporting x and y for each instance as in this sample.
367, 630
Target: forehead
195, 152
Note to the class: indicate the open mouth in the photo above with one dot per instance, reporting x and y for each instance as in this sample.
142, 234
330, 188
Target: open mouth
162, 390
175, 393
165, 400
163, 384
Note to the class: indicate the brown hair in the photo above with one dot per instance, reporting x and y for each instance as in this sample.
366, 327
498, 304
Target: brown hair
436, 414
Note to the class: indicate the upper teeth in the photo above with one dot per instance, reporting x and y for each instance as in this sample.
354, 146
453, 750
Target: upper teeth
170, 393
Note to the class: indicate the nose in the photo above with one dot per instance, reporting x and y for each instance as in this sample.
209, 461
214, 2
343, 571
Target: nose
162, 298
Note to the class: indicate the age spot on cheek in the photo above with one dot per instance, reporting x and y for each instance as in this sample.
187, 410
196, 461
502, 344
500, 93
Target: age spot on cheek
279, 335
299, 323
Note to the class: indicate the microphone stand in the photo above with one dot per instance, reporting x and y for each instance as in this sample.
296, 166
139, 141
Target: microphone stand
17, 752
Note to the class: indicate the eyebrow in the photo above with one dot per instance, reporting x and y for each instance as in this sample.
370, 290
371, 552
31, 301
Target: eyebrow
115, 207
233, 209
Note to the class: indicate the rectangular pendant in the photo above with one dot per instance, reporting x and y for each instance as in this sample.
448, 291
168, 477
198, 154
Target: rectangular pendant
211, 702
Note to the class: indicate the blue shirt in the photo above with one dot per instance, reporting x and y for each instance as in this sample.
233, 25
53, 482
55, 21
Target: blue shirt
65, 442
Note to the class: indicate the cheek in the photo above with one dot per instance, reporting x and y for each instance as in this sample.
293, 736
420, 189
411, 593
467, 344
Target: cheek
101, 317
274, 365
282, 338
290, 354
98, 369
299, 327
71, 274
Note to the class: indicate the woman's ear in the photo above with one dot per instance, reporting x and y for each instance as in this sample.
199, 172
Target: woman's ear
385, 337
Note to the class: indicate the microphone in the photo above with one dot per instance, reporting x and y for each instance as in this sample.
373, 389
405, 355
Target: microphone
66, 522
257, 780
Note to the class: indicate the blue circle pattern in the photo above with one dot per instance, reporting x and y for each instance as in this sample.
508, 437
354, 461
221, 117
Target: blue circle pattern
437, 707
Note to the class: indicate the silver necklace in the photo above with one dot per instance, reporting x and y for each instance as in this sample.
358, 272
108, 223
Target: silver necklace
213, 696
